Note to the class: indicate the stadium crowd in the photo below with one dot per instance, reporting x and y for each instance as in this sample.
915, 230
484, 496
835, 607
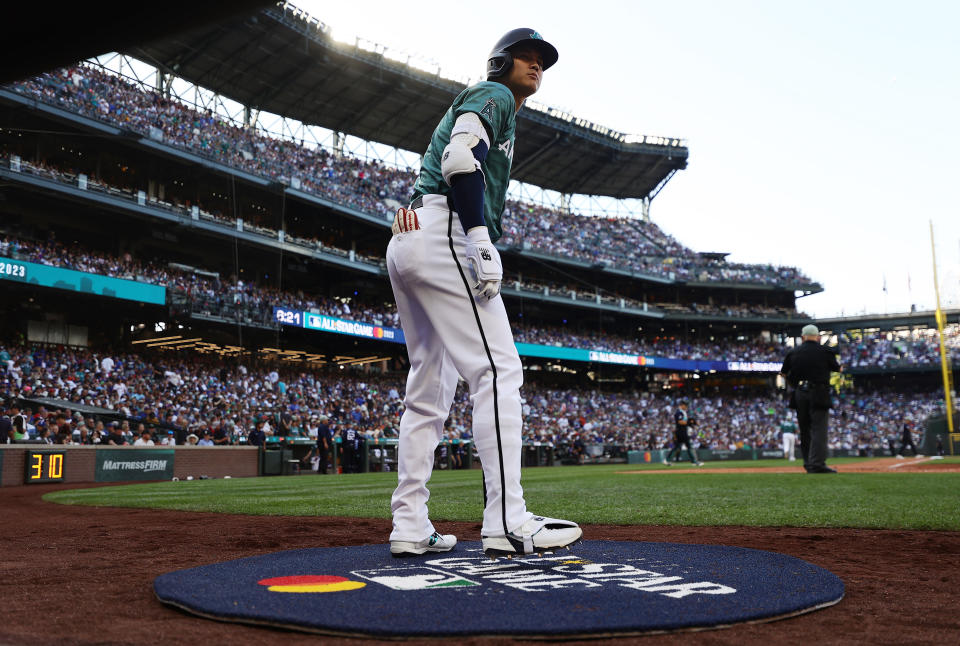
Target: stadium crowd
373, 187
222, 404
204, 294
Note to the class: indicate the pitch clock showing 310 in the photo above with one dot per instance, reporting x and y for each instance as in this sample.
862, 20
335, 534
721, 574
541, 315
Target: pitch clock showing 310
44, 466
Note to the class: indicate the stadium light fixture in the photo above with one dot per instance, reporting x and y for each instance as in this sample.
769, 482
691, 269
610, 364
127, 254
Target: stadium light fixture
174, 342
162, 338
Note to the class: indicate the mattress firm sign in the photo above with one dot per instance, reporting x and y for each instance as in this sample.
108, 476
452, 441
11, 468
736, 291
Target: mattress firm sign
120, 465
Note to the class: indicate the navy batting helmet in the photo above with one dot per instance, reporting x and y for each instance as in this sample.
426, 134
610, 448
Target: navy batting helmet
500, 59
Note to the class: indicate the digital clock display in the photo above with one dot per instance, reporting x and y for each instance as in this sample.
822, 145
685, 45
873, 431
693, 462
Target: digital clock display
44, 466
288, 317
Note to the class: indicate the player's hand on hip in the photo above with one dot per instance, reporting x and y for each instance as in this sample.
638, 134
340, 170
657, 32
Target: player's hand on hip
485, 265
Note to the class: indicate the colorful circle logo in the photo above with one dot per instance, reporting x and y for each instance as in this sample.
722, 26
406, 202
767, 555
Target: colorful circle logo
378, 332
310, 583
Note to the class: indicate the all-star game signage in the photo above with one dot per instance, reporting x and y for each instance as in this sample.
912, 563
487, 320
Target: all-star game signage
597, 588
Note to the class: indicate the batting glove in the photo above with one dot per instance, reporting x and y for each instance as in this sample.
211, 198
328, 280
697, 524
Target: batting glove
485, 263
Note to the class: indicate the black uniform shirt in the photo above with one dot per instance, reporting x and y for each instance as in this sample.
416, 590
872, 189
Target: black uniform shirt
681, 429
907, 436
810, 362
257, 437
323, 437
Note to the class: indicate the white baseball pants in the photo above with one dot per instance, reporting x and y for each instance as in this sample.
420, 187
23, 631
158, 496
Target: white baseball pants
789, 445
450, 334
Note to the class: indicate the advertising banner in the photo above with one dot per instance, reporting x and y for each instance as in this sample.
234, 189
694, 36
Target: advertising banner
770, 454
323, 323
726, 454
80, 281
120, 465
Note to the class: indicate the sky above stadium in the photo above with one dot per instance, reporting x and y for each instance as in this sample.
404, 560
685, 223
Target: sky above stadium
822, 135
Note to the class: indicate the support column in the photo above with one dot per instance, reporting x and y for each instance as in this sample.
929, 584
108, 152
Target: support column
164, 84
250, 115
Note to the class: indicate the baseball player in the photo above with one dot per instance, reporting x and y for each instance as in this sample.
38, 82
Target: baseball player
446, 274
681, 436
789, 432
907, 439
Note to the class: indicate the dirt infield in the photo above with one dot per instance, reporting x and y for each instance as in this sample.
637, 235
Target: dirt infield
878, 465
83, 575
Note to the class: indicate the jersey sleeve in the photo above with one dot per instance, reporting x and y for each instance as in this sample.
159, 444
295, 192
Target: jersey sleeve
493, 102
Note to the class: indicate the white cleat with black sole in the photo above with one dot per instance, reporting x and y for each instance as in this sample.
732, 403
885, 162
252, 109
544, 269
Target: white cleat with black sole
434, 543
539, 535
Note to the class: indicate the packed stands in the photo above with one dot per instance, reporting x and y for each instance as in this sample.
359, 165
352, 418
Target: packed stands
891, 350
185, 390
371, 186
252, 303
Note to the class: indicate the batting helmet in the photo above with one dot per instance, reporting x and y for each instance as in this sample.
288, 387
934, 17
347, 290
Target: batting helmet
500, 59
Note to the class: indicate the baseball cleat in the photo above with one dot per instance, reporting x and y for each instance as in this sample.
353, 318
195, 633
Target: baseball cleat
539, 535
436, 542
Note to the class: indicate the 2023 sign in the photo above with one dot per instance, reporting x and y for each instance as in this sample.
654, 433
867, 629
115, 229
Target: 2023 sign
44, 466
10, 269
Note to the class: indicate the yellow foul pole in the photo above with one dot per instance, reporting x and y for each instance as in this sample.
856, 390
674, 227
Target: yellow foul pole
944, 367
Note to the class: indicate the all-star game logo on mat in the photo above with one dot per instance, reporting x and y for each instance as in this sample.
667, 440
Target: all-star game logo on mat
598, 588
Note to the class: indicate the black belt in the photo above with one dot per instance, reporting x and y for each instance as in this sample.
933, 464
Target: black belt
417, 203
805, 382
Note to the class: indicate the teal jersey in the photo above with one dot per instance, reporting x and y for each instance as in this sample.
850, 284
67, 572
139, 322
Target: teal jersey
497, 109
788, 427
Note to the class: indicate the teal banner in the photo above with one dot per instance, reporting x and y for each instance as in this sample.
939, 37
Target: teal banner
121, 465
79, 281
604, 356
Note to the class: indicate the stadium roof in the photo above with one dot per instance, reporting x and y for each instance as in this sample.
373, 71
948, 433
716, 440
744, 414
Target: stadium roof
282, 61
925, 318
48, 35
77, 407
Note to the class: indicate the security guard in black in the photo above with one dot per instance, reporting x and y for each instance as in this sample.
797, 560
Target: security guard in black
807, 368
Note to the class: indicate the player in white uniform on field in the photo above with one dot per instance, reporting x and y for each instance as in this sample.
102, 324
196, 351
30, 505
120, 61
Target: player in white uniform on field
789, 431
446, 276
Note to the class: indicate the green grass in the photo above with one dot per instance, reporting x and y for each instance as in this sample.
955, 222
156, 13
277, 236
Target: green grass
587, 494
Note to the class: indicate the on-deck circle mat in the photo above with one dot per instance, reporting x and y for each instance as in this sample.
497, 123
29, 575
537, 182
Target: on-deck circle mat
597, 588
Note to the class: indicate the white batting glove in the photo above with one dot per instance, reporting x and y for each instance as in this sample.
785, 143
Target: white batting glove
485, 266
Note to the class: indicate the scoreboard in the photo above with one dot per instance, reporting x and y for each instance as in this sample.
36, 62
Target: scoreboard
44, 466
323, 323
